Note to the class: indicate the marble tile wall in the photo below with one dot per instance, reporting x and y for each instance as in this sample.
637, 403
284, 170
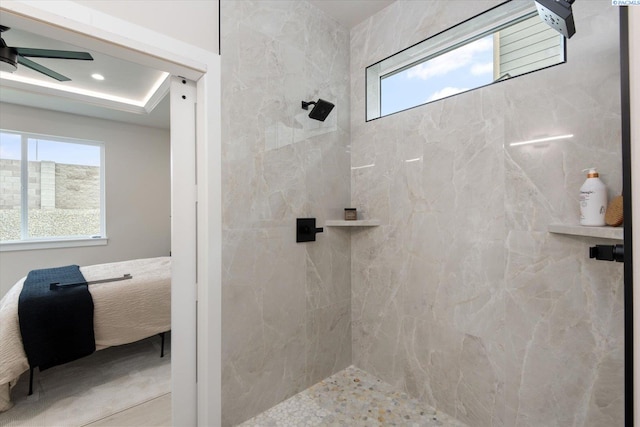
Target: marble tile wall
462, 298
286, 305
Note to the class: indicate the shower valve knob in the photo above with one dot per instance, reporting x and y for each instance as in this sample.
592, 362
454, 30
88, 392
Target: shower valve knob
306, 230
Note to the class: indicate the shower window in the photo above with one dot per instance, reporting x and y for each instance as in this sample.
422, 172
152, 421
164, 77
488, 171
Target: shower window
504, 42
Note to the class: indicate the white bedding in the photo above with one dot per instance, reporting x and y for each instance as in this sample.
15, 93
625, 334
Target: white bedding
124, 311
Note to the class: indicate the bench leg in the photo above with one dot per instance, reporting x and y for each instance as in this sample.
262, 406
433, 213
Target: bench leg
30, 381
162, 345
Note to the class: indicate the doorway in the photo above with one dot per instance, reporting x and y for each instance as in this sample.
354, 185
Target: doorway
195, 261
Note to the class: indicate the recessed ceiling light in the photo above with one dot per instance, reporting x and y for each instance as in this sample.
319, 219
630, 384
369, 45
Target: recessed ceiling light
97, 76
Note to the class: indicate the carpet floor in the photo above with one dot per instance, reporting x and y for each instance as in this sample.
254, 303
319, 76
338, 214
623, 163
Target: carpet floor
92, 388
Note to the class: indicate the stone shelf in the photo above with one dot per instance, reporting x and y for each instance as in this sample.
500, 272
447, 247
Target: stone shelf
615, 233
352, 223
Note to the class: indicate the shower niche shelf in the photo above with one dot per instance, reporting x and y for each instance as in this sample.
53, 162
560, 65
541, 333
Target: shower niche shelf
615, 233
352, 223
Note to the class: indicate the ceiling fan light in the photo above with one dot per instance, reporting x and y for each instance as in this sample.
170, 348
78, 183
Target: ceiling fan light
97, 76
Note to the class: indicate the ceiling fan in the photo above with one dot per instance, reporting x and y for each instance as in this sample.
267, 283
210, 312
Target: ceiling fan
11, 56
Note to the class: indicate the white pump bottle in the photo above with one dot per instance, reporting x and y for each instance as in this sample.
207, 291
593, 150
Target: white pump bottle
593, 200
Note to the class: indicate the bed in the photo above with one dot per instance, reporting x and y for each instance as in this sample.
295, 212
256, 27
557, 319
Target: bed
125, 311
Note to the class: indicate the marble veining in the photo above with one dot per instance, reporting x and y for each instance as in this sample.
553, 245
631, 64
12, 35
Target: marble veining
286, 310
462, 297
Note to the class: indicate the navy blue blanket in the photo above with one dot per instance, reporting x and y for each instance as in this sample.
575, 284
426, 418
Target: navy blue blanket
56, 325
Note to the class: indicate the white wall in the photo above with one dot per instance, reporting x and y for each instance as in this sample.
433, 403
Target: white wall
137, 190
168, 17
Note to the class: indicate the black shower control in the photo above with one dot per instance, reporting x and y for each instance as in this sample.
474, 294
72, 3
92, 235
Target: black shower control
607, 252
306, 230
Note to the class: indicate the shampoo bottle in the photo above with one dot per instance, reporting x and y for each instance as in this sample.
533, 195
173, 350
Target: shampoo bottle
593, 200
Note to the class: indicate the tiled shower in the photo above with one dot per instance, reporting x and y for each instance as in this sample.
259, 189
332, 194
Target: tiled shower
461, 297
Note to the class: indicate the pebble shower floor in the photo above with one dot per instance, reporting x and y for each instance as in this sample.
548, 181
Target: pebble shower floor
351, 397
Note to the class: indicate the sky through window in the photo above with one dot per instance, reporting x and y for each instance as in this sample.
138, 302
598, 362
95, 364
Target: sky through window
468, 67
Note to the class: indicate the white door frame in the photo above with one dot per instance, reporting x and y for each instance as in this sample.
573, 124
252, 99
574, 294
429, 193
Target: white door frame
183, 250
73, 23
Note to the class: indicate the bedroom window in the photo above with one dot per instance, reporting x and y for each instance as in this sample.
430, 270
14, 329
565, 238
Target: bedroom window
51, 191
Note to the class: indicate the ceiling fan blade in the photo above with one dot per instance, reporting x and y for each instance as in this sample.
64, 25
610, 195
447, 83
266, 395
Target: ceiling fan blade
42, 69
50, 53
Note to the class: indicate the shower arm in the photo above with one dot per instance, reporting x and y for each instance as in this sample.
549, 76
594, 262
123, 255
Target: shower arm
305, 105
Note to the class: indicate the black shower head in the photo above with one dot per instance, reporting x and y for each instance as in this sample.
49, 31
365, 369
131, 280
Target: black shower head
320, 110
558, 14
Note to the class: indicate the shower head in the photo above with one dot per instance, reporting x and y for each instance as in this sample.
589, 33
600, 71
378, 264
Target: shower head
320, 110
558, 14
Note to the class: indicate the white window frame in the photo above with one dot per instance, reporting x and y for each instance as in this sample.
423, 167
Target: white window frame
495, 19
28, 243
